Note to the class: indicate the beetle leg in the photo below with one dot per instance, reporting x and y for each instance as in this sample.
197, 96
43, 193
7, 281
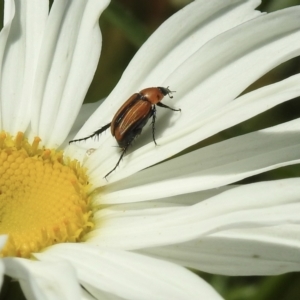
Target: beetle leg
153, 114
166, 106
121, 156
97, 132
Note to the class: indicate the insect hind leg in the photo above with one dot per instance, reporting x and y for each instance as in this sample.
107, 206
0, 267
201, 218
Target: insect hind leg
97, 132
121, 156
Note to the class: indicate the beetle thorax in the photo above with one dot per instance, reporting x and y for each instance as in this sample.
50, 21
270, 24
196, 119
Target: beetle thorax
153, 95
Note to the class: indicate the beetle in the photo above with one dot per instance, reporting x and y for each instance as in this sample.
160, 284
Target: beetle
132, 116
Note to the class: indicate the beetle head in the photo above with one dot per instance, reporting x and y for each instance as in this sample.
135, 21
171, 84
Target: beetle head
166, 91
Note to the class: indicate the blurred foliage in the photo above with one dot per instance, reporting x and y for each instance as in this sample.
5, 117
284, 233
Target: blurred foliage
125, 25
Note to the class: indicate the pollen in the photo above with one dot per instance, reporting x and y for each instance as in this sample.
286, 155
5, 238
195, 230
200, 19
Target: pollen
44, 197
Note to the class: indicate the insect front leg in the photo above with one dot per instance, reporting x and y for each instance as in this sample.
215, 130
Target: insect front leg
97, 132
160, 104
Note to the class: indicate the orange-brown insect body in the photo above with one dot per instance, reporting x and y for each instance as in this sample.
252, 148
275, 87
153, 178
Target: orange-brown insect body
133, 115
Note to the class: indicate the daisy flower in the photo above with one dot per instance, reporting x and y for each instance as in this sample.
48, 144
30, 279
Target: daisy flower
67, 232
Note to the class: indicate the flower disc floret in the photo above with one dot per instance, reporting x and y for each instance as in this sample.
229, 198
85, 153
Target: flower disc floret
43, 197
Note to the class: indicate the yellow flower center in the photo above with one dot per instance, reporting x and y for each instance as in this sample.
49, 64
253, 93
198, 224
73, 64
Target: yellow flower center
43, 197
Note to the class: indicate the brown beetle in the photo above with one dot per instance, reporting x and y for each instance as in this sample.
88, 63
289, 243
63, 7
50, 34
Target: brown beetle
132, 116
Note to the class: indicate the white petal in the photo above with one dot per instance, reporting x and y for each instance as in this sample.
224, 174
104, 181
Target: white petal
67, 62
9, 12
260, 251
19, 56
2, 240
85, 112
173, 201
94, 293
235, 112
192, 31
193, 198
128, 275
255, 205
169, 48
213, 20
44, 280
210, 167
220, 60
87, 296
